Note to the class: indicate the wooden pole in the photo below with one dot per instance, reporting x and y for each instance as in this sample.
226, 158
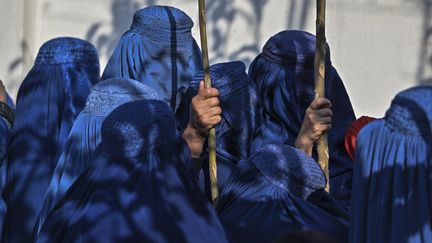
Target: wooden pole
320, 54
212, 134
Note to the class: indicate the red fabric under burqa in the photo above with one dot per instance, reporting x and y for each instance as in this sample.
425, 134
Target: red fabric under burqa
350, 138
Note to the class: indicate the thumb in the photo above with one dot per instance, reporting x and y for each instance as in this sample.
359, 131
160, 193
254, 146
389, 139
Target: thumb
201, 85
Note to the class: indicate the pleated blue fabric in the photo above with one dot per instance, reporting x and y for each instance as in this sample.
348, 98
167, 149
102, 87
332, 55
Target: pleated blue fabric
284, 76
279, 190
9, 101
85, 136
392, 176
4, 135
241, 117
49, 99
5, 129
138, 188
158, 50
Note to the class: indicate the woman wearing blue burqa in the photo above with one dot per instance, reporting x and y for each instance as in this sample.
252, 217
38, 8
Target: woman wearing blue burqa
240, 115
158, 50
279, 190
392, 174
85, 135
49, 99
284, 76
138, 188
7, 116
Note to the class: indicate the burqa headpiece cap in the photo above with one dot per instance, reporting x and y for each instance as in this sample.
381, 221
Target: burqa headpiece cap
66, 50
226, 77
162, 20
411, 112
137, 127
109, 94
290, 169
293, 49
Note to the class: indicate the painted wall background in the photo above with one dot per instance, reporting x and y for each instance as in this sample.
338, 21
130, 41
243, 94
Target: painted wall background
379, 47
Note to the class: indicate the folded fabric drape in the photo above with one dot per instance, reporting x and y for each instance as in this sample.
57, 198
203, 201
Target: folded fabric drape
392, 173
158, 50
85, 136
49, 99
138, 188
241, 116
284, 76
5, 129
276, 191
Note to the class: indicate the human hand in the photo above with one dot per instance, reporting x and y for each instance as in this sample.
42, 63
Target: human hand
206, 110
3, 94
317, 120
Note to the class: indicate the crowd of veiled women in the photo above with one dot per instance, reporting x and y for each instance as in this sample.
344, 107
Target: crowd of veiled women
124, 157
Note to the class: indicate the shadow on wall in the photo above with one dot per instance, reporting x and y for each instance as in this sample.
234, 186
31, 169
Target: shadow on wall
219, 13
302, 7
14, 66
222, 18
225, 12
424, 70
122, 14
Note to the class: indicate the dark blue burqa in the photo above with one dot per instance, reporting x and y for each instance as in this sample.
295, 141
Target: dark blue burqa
276, 191
284, 76
5, 129
158, 50
241, 116
49, 99
138, 188
392, 175
85, 136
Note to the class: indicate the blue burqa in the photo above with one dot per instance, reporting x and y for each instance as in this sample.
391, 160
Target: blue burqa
49, 99
284, 76
5, 129
158, 50
85, 135
241, 116
392, 175
138, 188
279, 190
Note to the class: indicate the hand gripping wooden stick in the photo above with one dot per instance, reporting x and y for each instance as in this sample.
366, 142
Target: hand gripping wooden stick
207, 79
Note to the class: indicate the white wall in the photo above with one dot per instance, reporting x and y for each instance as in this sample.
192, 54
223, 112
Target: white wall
11, 32
378, 46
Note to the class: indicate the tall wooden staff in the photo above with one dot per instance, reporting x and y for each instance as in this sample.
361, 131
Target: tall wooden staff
320, 54
207, 79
